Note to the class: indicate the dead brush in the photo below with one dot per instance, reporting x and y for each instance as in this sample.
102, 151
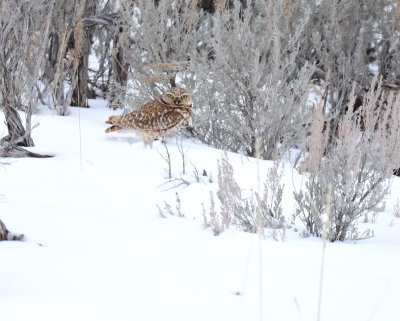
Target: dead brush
358, 164
254, 212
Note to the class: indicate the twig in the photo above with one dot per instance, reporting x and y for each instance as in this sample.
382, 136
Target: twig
181, 180
167, 160
183, 154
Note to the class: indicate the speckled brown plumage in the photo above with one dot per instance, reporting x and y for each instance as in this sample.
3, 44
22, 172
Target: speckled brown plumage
159, 117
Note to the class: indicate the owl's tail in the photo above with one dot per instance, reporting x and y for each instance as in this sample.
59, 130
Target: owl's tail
112, 120
112, 129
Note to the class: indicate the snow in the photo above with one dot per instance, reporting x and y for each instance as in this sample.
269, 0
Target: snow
97, 249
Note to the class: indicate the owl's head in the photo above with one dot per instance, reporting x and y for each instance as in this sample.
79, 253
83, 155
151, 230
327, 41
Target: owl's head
178, 97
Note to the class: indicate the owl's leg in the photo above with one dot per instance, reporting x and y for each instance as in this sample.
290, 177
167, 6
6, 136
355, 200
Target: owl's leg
161, 137
148, 136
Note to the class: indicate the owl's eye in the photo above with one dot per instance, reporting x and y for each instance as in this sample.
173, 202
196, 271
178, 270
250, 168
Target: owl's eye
170, 96
184, 97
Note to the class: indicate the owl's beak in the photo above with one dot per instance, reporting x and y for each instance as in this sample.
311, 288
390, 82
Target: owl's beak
177, 100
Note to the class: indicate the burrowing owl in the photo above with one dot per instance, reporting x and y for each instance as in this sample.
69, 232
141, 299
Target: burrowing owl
158, 117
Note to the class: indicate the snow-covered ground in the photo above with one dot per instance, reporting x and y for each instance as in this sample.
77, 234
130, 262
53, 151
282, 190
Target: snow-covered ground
97, 249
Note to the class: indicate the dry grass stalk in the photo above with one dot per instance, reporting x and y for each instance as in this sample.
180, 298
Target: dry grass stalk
168, 211
192, 14
229, 193
255, 212
396, 209
213, 220
4, 7
325, 236
319, 137
220, 4
287, 9
318, 141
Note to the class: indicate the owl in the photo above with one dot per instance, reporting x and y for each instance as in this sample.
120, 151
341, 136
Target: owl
157, 118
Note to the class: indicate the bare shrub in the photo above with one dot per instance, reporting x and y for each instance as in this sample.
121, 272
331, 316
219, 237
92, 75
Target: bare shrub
249, 84
349, 42
23, 32
201, 37
162, 35
358, 166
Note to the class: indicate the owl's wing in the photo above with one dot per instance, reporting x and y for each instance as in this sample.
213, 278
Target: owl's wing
152, 116
172, 119
144, 118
